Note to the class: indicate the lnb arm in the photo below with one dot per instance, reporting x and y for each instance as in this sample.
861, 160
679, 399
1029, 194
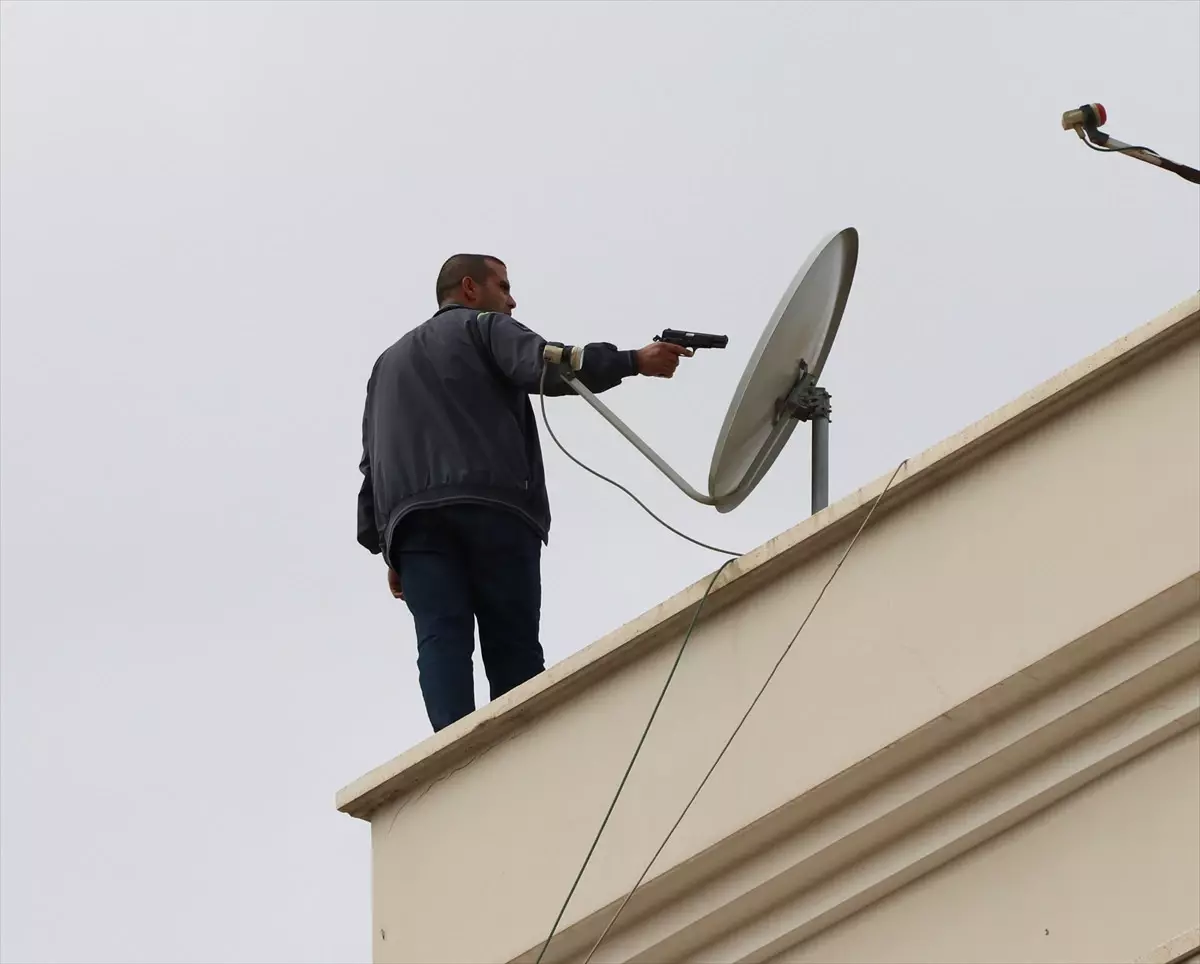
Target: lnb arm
1086, 122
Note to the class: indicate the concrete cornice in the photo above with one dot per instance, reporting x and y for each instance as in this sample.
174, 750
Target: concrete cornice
941, 790
458, 744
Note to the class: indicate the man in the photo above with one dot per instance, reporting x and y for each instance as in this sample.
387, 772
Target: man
454, 490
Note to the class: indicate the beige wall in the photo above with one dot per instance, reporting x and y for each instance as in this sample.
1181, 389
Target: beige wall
998, 610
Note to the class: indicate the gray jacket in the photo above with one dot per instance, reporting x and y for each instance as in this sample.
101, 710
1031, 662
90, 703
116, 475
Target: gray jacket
448, 419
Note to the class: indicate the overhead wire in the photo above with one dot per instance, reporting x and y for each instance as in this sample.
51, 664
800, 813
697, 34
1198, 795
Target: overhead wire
671, 675
729, 742
629, 769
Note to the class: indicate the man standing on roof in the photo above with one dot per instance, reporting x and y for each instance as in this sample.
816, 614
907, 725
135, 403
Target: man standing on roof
454, 490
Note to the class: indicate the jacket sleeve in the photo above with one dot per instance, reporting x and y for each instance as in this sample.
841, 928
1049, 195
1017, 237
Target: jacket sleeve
368, 531
517, 353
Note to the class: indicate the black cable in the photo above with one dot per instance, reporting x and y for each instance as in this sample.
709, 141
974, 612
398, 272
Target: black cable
629, 769
746, 715
1185, 172
1118, 150
670, 676
605, 478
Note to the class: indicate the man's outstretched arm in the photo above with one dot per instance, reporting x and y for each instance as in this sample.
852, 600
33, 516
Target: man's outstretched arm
517, 352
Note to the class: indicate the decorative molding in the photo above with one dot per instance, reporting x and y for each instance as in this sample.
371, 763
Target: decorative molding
985, 766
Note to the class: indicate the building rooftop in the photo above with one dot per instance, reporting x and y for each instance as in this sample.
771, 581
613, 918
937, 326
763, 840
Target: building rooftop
495, 722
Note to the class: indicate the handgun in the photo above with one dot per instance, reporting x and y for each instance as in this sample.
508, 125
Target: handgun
692, 339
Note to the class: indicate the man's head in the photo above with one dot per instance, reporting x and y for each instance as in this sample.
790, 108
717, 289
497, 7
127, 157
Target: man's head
475, 281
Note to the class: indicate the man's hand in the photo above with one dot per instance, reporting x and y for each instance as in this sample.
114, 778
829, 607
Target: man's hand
394, 583
661, 358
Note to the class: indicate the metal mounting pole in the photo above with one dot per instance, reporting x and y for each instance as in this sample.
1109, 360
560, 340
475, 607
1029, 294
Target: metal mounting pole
820, 463
809, 402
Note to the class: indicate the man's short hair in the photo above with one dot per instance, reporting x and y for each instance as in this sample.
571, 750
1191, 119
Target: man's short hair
477, 267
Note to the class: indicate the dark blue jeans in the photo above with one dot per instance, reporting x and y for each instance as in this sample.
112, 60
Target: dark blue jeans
459, 565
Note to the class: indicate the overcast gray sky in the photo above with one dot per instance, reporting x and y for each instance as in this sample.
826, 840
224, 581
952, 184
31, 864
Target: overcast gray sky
216, 215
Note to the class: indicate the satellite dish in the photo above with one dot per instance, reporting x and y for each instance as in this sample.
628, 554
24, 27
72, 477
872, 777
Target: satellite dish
779, 386
795, 342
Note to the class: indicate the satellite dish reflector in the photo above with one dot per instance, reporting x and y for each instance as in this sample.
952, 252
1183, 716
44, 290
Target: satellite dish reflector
800, 333
779, 386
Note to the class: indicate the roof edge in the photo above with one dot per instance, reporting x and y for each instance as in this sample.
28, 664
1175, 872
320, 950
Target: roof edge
460, 743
